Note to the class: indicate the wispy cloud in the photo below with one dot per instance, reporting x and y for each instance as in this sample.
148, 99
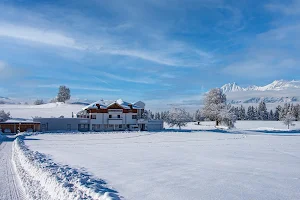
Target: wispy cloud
76, 87
144, 80
37, 35
112, 47
287, 8
132, 33
2, 66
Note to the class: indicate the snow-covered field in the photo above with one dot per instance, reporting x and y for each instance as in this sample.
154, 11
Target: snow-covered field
45, 110
204, 164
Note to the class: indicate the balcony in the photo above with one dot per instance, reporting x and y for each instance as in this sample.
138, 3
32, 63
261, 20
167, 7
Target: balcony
115, 121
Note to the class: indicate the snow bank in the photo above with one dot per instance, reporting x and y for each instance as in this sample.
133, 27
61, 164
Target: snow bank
44, 179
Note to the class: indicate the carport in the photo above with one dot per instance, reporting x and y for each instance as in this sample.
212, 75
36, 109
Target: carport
23, 126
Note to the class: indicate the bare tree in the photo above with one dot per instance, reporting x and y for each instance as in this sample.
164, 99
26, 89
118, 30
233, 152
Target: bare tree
39, 102
227, 117
288, 120
64, 94
215, 101
178, 117
4, 116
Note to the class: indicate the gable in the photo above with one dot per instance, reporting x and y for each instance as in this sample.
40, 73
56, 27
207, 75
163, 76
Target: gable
114, 106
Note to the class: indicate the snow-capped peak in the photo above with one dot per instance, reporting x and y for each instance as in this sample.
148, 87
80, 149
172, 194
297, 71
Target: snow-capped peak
231, 87
280, 85
275, 85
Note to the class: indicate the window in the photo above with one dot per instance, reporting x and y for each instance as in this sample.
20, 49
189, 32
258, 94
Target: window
134, 116
119, 116
120, 126
93, 126
93, 116
81, 125
110, 116
68, 127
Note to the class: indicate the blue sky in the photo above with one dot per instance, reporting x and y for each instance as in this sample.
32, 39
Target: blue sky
151, 50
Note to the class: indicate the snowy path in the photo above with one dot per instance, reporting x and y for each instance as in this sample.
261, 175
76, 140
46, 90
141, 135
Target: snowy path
10, 188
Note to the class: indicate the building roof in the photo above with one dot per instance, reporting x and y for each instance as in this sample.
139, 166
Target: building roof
19, 122
104, 104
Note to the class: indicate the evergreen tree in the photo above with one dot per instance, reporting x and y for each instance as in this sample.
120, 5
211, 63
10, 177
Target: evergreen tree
277, 113
250, 113
262, 111
242, 113
255, 114
271, 115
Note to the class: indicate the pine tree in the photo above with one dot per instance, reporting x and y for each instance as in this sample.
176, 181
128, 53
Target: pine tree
262, 111
250, 113
271, 115
242, 113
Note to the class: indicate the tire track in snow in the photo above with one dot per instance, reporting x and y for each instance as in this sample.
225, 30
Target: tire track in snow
10, 185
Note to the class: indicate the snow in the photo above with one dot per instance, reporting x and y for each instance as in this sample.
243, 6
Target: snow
203, 164
10, 185
45, 110
43, 179
106, 103
288, 93
275, 85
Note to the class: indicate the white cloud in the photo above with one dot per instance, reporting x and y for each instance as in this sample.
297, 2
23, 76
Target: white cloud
144, 80
286, 8
271, 54
43, 36
2, 66
76, 87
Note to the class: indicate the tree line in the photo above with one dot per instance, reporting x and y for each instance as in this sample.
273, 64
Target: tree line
259, 112
216, 109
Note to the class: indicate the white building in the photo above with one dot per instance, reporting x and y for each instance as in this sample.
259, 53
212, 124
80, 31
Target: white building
116, 115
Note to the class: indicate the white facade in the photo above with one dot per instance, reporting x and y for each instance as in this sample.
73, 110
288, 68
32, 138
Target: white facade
117, 115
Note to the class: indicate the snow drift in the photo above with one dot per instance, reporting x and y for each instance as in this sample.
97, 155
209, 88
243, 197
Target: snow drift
44, 179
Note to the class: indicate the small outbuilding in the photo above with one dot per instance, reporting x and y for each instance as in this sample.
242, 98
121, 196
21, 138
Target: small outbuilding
13, 127
63, 124
155, 125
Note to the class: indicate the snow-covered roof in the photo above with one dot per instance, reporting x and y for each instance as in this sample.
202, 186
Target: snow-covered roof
104, 104
12, 121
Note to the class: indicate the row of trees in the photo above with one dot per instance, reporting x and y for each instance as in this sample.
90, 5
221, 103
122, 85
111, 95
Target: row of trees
216, 109
261, 112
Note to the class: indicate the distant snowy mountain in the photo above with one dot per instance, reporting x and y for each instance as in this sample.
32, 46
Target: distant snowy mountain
275, 85
231, 87
6, 100
279, 91
80, 101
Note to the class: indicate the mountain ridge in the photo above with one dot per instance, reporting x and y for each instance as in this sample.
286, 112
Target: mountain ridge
276, 85
279, 91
